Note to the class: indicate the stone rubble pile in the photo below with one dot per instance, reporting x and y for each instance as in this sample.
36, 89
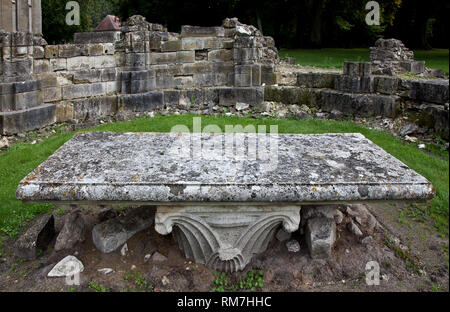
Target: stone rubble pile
391, 57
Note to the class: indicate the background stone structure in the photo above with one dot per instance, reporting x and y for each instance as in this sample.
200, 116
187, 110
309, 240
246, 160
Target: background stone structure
140, 68
21, 16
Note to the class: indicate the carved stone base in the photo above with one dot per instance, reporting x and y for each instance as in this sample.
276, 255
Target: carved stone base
225, 238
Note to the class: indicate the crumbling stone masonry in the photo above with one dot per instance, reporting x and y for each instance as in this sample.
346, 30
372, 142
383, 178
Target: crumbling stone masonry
391, 57
374, 89
140, 68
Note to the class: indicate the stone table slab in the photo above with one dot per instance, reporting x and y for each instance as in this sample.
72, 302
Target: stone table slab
171, 168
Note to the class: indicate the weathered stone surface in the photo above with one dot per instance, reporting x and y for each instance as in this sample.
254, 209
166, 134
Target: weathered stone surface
200, 43
352, 227
288, 95
316, 80
320, 237
27, 119
293, 246
225, 237
338, 216
282, 235
386, 85
111, 234
358, 104
37, 238
222, 55
430, 91
357, 69
97, 37
198, 31
323, 211
390, 56
414, 67
69, 266
143, 102
356, 84
73, 232
408, 129
157, 257
298, 170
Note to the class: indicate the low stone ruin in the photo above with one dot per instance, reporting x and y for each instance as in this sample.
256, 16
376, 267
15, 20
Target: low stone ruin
373, 89
391, 57
142, 68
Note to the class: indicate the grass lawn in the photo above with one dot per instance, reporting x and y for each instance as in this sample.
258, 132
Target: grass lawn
22, 158
334, 58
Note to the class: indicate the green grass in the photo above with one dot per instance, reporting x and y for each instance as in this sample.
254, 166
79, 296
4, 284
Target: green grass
334, 58
252, 281
22, 158
436, 58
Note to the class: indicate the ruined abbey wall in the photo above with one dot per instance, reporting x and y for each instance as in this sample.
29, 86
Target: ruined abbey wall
140, 68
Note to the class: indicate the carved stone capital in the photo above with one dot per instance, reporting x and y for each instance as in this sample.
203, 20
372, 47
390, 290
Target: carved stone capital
225, 238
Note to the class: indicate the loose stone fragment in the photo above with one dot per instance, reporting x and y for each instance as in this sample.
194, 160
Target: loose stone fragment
338, 216
124, 250
352, 227
4, 143
71, 233
165, 281
157, 257
293, 246
367, 240
37, 238
68, 266
106, 271
110, 235
282, 235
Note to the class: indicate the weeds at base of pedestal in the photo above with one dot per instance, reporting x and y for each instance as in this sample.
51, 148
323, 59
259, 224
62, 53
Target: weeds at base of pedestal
253, 281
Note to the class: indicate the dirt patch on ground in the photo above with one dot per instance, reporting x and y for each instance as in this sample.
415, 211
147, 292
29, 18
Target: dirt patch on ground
423, 266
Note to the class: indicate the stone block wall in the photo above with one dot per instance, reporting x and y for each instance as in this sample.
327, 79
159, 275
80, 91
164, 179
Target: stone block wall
358, 92
140, 68
391, 57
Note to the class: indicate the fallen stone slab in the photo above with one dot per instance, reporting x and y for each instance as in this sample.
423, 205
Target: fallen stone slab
111, 234
69, 266
37, 238
320, 237
73, 232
